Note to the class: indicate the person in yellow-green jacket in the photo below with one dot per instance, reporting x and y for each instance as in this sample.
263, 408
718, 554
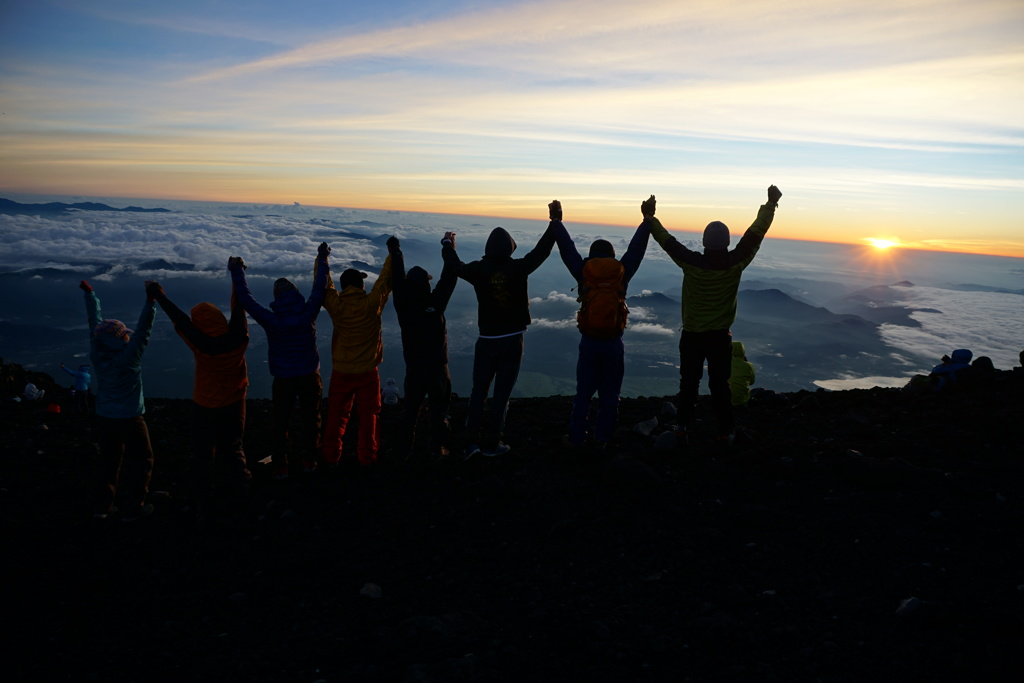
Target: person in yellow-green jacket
711, 281
356, 351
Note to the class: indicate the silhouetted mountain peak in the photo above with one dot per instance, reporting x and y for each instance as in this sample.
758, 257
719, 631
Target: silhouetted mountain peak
13, 208
161, 264
651, 298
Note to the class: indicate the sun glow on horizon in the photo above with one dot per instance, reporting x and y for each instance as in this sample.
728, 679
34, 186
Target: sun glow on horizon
882, 243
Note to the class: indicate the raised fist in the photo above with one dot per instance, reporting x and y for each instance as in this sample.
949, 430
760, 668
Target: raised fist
774, 194
393, 244
449, 237
555, 210
648, 206
85, 286
236, 263
323, 251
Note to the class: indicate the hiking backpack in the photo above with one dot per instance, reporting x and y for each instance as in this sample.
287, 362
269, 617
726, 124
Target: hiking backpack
602, 298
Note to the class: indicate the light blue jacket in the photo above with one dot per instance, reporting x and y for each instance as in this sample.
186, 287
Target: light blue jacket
117, 364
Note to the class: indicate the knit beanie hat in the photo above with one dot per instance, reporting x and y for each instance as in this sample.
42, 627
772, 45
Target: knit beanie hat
282, 285
111, 328
352, 277
716, 236
602, 249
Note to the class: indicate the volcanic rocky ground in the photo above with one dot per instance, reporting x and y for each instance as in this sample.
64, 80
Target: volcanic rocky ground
848, 536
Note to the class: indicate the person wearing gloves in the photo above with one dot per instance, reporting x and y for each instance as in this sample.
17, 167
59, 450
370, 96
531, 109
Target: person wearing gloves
290, 324
711, 282
602, 281
420, 312
503, 314
356, 351
126, 454
218, 394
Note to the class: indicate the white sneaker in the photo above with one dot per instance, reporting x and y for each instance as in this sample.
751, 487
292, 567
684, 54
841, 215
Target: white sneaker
500, 449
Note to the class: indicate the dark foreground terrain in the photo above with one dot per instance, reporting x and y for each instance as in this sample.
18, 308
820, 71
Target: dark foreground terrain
851, 536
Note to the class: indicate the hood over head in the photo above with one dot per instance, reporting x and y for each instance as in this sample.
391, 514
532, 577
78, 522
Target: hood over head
499, 244
288, 301
283, 284
738, 351
208, 319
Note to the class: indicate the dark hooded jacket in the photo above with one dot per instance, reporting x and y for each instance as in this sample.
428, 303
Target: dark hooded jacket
290, 323
421, 312
500, 281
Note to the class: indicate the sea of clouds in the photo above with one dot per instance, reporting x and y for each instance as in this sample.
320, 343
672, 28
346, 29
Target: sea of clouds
281, 241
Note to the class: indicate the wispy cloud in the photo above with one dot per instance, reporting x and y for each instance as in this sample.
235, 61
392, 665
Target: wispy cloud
864, 112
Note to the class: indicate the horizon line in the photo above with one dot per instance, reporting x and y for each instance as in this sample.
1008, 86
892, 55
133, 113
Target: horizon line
697, 231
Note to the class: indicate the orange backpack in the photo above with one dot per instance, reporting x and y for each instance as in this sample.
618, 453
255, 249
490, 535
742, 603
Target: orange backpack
602, 298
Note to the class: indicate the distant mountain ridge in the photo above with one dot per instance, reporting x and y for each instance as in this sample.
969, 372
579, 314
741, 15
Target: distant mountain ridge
12, 208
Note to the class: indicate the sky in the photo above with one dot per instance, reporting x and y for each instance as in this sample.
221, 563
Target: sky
897, 121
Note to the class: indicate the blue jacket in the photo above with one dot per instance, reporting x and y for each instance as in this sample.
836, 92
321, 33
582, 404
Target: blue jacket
118, 364
290, 324
82, 378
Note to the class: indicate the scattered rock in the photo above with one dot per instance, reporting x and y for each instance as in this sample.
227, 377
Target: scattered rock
370, 590
646, 427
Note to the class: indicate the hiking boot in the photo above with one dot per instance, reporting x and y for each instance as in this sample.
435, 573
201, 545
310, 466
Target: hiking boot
104, 515
500, 449
144, 511
471, 450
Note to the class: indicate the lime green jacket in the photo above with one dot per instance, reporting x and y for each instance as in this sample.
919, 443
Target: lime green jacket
711, 280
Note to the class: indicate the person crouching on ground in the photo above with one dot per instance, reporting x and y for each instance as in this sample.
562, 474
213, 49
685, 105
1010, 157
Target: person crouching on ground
424, 346
602, 280
218, 395
294, 359
503, 314
126, 454
356, 351
710, 284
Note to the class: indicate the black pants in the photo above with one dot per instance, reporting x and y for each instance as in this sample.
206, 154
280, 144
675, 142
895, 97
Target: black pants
427, 381
715, 346
126, 463
309, 391
217, 449
496, 360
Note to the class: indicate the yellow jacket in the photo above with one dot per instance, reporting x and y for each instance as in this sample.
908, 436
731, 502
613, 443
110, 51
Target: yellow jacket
356, 345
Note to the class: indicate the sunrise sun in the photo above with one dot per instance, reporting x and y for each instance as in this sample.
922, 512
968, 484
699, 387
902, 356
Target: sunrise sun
882, 243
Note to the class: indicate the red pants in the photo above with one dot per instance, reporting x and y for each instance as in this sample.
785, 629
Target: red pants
363, 390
